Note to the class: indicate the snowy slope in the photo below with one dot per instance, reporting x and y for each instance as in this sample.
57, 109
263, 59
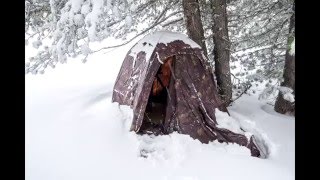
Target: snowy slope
74, 132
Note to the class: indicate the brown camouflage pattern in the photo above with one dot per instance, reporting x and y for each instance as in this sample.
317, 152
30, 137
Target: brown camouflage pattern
192, 97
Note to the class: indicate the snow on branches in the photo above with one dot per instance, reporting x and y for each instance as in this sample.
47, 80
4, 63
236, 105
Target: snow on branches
71, 25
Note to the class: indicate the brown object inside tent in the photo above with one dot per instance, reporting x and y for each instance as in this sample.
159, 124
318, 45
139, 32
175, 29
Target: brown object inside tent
170, 86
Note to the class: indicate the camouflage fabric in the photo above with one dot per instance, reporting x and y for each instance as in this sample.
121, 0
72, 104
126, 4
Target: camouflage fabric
192, 97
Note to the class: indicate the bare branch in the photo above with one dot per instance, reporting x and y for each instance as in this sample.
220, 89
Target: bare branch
243, 92
172, 22
157, 22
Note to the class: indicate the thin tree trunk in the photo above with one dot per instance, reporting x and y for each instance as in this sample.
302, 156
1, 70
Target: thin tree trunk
221, 50
281, 105
191, 11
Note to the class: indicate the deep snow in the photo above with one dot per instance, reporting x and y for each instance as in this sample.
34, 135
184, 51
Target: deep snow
74, 132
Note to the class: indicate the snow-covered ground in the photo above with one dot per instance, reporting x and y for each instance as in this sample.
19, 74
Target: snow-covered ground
74, 132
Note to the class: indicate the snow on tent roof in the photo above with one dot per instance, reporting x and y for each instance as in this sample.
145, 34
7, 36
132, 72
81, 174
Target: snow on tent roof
159, 37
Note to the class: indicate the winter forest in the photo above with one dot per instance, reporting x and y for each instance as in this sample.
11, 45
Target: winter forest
227, 107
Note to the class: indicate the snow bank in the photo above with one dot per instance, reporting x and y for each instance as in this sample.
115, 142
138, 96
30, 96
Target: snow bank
287, 93
74, 132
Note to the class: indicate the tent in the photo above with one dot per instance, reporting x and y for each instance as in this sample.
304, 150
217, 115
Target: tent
167, 81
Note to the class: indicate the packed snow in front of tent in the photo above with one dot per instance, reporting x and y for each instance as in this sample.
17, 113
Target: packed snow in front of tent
74, 132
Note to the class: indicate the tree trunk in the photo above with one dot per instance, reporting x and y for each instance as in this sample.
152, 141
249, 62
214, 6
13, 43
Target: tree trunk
221, 50
191, 11
281, 105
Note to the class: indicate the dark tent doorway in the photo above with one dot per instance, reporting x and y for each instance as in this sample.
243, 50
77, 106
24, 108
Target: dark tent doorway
158, 99
167, 81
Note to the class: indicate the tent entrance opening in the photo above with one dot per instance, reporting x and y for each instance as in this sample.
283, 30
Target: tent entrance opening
156, 108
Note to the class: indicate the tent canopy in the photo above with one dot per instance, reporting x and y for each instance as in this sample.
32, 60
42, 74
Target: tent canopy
190, 95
